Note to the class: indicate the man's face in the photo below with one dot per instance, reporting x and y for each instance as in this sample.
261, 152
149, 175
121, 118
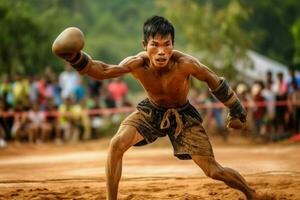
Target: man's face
159, 50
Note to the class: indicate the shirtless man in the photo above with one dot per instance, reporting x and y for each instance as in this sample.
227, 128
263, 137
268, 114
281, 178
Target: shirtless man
165, 75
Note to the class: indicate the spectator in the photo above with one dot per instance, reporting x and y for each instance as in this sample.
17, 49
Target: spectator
51, 121
68, 81
80, 91
19, 127
294, 79
108, 98
95, 87
118, 89
2, 126
5, 121
281, 114
64, 119
57, 100
294, 106
36, 128
6, 91
96, 119
260, 110
21, 90
34, 88
269, 96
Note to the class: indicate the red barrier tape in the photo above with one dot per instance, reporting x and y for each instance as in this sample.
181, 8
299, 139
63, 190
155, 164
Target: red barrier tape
110, 111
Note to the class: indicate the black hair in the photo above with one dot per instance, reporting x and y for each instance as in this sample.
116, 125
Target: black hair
292, 67
158, 25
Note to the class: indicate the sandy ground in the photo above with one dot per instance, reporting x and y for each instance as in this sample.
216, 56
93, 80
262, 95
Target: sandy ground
76, 171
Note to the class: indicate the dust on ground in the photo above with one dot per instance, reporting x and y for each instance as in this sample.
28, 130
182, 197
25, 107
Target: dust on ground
77, 171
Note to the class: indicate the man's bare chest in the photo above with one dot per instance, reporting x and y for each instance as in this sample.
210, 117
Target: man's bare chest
164, 82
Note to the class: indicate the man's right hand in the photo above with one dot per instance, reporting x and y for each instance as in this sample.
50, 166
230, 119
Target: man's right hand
237, 116
68, 46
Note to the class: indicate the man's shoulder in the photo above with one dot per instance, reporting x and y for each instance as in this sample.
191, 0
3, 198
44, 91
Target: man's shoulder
135, 61
183, 58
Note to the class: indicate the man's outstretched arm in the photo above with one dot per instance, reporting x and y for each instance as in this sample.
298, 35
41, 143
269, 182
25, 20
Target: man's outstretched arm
68, 46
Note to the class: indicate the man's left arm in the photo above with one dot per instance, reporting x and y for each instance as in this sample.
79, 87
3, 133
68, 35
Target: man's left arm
220, 88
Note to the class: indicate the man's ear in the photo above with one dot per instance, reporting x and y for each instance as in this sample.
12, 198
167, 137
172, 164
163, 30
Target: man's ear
144, 45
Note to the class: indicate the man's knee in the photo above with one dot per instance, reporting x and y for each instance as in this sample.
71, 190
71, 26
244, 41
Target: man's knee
117, 146
213, 170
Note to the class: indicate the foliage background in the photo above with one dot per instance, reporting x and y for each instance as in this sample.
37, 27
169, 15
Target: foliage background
218, 32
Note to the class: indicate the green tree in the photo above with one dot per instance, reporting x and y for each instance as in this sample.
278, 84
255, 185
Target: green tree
273, 20
213, 34
27, 33
296, 35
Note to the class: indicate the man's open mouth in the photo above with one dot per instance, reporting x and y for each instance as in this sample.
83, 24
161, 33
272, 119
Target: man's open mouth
161, 60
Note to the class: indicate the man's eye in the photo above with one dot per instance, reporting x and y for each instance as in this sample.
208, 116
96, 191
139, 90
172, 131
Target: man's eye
154, 45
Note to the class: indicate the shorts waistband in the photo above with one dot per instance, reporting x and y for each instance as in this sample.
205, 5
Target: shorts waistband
164, 109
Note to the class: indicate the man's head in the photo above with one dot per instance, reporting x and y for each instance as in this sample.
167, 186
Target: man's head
292, 70
157, 25
158, 40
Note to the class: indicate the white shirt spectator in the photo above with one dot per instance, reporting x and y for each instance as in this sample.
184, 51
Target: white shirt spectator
68, 81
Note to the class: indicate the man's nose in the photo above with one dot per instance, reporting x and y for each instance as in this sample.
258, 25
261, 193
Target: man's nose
161, 51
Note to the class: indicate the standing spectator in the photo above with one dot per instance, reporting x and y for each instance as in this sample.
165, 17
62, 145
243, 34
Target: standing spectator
49, 74
108, 98
68, 81
294, 106
269, 96
6, 91
293, 96
57, 100
259, 111
80, 91
118, 89
281, 114
34, 88
95, 87
294, 79
21, 90
269, 78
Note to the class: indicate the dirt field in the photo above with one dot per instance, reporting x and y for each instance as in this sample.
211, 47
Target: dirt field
76, 171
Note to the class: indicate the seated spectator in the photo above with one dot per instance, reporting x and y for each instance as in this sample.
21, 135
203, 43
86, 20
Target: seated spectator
64, 119
71, 120
19, 127
51, 121
2, 125
37, 129
96, 119
2, 134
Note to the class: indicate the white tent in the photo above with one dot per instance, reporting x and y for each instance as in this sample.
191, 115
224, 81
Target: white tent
262, 64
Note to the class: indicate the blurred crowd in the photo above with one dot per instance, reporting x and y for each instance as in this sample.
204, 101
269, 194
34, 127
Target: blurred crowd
65, 107
273, 106
56, 107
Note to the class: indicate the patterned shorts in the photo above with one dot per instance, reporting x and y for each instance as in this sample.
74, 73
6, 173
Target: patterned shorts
183, 126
